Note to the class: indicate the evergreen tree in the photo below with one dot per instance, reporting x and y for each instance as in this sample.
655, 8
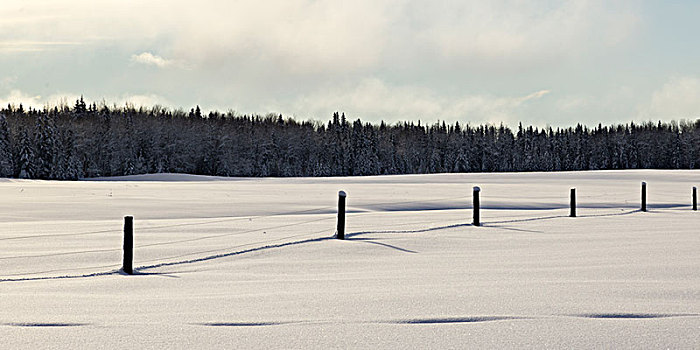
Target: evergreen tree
6, 158
95, 140
45, 142
24, 165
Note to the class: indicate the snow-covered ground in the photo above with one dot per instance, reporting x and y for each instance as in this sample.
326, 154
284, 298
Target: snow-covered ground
250, 263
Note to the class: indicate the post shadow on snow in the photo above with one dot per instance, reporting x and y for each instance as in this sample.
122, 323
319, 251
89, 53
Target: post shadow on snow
224, 255
139, 273
43, 278
510, 228
426, 206
44, 272
668, 205
371, 241
550, 217
489, 223
139, 270
96, 274
437, 228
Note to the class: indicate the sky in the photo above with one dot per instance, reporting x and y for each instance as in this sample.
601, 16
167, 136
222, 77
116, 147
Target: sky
542, 63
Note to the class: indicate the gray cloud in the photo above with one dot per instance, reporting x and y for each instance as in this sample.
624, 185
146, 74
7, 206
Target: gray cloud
373, 99
391, 59
678, 98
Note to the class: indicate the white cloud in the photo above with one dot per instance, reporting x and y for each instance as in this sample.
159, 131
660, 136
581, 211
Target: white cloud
308, 36
677, 98
573, 103
286, 36
7, 82
310, 56
296, 36
374, 100
491, 109
150, 59
16, 97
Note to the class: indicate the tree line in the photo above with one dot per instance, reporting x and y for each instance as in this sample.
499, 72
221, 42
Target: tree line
90, 140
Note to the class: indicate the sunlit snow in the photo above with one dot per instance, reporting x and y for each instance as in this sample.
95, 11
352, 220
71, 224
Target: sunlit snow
252, 262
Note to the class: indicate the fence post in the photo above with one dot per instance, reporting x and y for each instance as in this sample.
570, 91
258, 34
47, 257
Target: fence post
476, 206
572, 204
644, 196
695, 198
128, 245
341, 215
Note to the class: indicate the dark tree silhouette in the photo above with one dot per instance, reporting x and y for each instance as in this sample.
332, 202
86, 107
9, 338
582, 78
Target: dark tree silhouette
96, 140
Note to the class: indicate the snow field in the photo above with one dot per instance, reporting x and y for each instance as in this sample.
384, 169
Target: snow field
226, 270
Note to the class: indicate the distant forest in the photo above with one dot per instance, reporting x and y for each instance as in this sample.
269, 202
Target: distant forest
80, 141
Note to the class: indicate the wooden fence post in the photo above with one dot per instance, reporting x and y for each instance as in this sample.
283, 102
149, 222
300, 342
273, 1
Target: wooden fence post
128, 245
572, 203
476, 205
695, 198
644, 196
341, 215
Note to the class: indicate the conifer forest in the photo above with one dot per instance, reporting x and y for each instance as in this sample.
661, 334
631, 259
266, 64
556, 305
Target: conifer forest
89, 140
